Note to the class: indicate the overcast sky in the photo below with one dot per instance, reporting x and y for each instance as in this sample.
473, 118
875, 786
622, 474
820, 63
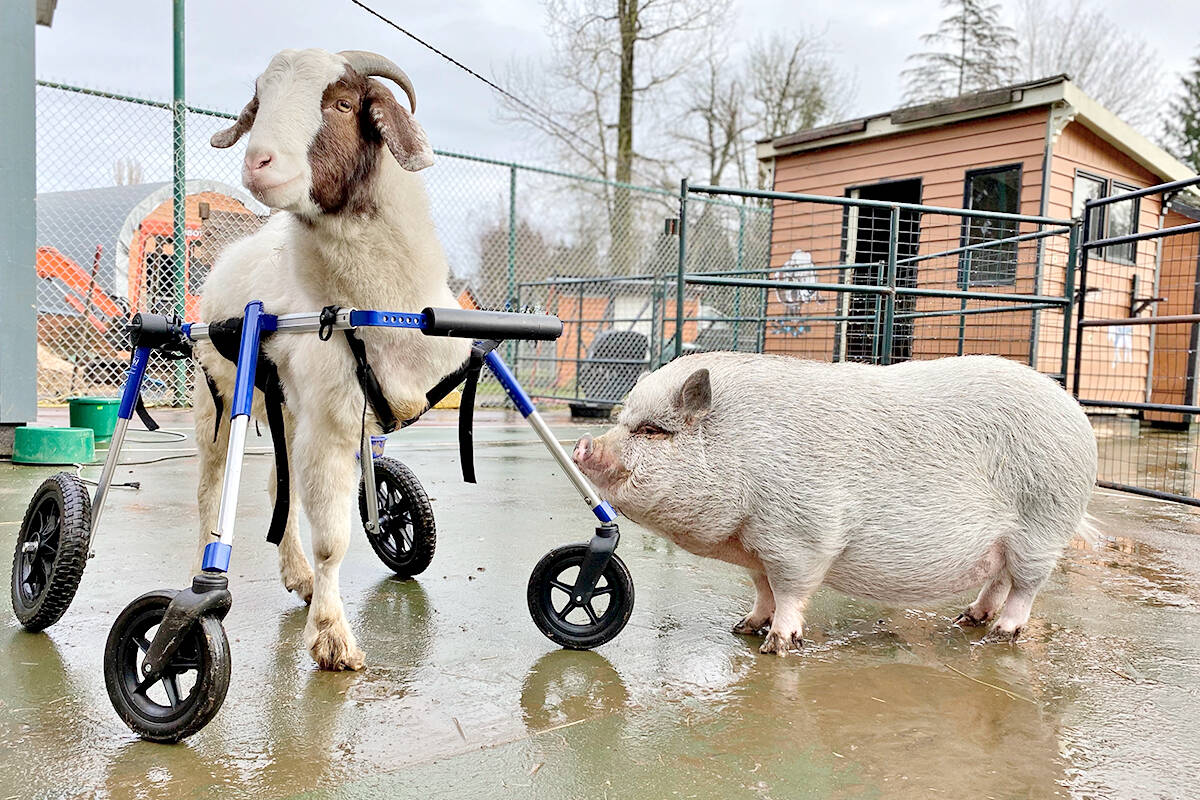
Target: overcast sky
125, 46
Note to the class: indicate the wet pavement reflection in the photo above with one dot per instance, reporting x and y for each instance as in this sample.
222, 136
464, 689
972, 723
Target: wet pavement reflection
463, 697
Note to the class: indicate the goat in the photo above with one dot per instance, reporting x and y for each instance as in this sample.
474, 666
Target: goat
333, 152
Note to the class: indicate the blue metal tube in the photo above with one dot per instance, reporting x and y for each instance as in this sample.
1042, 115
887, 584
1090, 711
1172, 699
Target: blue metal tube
509, 381
243, 386
133, 382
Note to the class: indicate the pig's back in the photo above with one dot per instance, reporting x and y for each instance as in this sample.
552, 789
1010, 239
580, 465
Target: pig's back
924, 459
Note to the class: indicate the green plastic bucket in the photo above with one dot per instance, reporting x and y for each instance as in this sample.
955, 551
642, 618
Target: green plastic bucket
33, 444
97, 413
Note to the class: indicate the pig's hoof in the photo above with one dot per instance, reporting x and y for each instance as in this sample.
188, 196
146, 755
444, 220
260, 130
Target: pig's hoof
1002, 636
748, 628
780, 643
966, 620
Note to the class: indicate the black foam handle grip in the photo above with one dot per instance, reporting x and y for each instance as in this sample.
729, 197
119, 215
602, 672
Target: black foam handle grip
491, 324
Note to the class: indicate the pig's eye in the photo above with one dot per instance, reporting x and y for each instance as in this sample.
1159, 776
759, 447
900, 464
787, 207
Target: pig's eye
653, 431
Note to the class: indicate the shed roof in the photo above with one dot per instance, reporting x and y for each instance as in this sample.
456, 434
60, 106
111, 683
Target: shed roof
1070, 104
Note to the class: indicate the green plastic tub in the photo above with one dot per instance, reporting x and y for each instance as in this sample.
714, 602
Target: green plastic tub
34, 444
97, 413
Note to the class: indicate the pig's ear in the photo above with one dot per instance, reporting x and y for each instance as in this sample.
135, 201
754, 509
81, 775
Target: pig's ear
695, 397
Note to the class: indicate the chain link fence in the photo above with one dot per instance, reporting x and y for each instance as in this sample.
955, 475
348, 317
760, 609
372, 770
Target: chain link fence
106, 245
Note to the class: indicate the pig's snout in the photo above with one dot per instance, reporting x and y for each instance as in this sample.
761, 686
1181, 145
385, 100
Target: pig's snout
583, 449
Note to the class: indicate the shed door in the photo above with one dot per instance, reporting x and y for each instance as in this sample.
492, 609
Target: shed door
866, 244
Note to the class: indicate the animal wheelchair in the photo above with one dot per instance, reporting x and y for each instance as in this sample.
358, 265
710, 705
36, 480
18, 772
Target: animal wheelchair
167, 635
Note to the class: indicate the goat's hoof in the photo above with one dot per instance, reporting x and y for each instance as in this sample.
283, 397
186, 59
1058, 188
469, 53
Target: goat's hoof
781, 643
335, 655
334, 649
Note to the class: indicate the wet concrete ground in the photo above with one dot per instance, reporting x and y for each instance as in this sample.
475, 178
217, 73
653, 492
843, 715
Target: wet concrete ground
463, 697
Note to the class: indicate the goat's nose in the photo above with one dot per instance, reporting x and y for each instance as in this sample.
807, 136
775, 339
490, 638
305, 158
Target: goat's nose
257, 160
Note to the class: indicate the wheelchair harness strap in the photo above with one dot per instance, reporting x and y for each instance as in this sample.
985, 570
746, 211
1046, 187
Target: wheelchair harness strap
226, 335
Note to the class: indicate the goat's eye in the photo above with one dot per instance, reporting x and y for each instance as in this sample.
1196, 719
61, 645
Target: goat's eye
649, 429
343, 105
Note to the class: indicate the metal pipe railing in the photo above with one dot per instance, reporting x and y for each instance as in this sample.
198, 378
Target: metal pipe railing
859, 203
1161, 188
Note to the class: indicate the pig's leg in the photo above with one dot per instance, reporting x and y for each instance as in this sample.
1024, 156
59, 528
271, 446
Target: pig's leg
764, 607
1029, 567
792, 584
988, 604
1015, 615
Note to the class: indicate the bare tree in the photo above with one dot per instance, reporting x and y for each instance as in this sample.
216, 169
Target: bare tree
719, 118
609, 58
1116, 67
784, 83
127, 171
971, 51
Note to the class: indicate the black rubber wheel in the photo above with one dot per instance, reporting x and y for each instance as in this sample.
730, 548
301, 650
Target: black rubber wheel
560, 618
193, 685
407, 534
51, 551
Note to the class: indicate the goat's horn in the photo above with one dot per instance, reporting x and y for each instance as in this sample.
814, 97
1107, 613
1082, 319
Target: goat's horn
365, 62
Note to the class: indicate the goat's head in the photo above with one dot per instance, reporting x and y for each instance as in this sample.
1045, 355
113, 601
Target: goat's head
317, 125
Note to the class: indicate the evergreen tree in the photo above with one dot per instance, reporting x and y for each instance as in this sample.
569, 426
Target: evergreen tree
1183, 119
969, 52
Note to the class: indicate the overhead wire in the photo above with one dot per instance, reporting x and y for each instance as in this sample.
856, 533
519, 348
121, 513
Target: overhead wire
492, 84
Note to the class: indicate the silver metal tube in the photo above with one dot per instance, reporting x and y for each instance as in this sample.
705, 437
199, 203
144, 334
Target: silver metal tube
106, 476
311, 321
582, 485
305, 322
367, 460
233, 478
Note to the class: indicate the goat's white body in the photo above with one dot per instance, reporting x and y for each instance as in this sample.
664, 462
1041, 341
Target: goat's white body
391, 260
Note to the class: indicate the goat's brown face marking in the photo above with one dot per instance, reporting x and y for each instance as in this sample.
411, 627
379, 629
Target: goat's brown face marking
345, 152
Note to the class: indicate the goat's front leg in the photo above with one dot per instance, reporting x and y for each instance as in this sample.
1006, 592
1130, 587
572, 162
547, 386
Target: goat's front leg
324, 457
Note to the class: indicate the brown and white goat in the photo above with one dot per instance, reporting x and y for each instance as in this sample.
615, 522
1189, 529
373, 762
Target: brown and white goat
333, 151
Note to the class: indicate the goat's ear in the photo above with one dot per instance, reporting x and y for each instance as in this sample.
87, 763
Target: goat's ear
695, 396
399, 130
245, 122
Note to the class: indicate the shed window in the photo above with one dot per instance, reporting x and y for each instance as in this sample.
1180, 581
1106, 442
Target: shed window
993, 189
1122, 221
1088, 187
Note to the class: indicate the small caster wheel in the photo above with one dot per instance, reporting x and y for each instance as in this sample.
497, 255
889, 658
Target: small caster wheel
193, 685
557, 613
407, 535
51, 551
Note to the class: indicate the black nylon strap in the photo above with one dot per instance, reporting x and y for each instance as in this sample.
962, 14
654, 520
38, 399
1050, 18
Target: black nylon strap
218, 401
466, 408
274, 403
370, 384
144, 415
466, 419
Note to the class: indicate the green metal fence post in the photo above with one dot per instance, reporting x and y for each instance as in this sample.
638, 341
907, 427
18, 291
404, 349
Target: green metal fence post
682, 267
1069, 294
737, 292
579, 341
889, 299
179, 188
509, 298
